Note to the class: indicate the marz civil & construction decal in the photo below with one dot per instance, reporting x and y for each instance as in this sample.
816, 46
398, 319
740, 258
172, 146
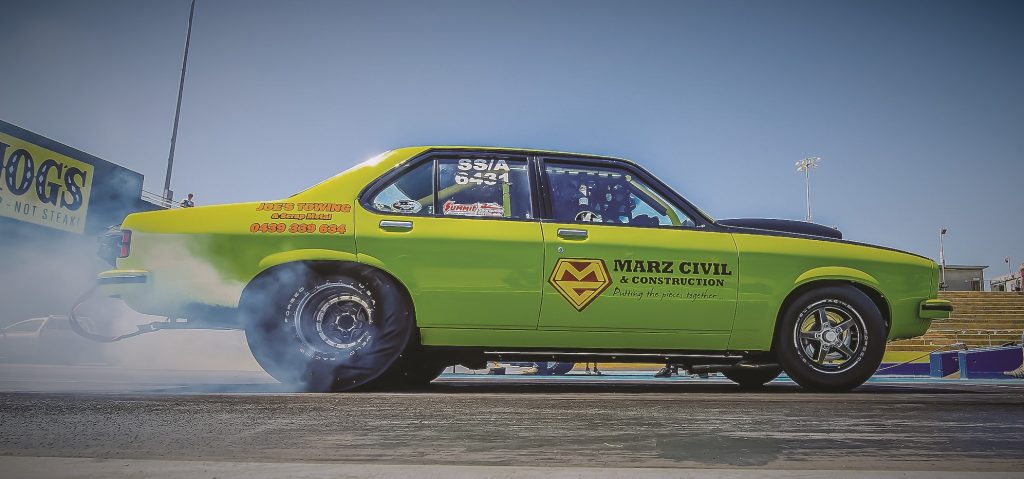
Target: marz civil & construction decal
581, 280
43, 187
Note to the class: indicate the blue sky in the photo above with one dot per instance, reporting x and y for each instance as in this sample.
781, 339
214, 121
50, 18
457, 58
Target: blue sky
916, 108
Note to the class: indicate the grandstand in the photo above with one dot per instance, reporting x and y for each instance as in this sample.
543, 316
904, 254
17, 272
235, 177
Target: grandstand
979, 319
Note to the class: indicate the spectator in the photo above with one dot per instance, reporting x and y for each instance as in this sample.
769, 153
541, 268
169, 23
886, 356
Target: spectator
1019, 372
187, 202
1020, 280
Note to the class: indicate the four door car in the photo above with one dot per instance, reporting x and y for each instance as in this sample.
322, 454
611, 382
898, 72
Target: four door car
425, 257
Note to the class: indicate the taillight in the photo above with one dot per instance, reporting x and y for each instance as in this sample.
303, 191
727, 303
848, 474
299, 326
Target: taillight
126, 243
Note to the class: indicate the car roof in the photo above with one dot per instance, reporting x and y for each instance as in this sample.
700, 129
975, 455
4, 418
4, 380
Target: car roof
369, 170
540, 151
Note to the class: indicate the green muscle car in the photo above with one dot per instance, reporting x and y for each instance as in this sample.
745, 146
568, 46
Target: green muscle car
425, 257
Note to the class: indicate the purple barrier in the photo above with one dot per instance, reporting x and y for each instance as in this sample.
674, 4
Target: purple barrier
943, 364
989, 363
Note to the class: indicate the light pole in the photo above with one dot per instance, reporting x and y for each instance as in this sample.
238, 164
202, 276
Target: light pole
942, 259
805, 165
168, 194
1008, 270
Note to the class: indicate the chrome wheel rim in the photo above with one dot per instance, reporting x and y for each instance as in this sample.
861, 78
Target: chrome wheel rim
339, 321
342, 320
830, 336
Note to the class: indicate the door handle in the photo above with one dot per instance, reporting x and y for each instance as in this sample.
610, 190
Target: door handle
395, 225
572, 233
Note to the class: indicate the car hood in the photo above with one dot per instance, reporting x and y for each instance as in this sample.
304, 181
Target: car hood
786, 226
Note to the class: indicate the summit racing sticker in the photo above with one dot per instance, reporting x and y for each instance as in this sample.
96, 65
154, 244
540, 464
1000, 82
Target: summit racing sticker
580, 281
452, 208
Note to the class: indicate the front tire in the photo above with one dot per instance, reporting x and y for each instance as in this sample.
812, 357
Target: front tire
831, 338
327, 331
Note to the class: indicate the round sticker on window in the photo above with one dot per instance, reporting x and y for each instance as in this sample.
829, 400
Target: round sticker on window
588, 216
407, 206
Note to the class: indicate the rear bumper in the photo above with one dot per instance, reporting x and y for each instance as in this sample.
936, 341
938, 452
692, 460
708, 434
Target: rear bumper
123, 283
935, 309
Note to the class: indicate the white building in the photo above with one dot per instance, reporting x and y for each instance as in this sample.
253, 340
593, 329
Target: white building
1007, 282
965, 277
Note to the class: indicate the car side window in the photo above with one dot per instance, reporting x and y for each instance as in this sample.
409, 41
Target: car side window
593, 194
26, 326
412, 193
484, 186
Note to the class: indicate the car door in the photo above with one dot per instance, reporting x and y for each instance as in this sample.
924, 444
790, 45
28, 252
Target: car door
459, 230
620, 256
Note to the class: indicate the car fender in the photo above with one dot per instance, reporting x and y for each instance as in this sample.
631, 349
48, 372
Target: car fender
299, 255
842, 273
376, 263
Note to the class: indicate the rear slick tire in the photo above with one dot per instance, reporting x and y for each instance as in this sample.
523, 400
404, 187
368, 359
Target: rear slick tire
831, 338
414, 369
327, 331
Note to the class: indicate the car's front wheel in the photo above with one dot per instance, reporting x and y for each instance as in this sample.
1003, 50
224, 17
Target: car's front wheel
831, 338
327, 331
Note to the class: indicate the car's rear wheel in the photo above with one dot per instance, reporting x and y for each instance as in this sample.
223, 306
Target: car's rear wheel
327, 331
415, 368
831, 338
753, 378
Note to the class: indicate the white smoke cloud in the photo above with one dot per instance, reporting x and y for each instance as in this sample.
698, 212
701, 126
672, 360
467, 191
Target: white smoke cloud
43, 273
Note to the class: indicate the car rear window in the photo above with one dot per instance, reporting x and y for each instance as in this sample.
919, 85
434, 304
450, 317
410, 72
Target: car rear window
412, 193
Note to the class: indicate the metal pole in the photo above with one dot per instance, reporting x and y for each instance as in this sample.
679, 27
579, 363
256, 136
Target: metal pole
942, 258
177, 108
807, 180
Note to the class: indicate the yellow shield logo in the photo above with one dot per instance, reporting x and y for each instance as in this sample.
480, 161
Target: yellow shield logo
580, 281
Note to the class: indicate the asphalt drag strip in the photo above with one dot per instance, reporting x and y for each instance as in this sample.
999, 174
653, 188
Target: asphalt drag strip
90, 424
